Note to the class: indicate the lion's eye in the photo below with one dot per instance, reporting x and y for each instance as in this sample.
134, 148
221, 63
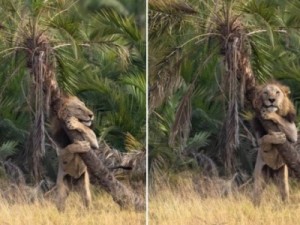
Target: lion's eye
277, 92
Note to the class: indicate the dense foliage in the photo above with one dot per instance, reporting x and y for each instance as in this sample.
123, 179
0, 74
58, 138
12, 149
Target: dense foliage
98, 51
198, 83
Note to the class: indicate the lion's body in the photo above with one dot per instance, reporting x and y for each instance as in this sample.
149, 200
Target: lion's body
70, 114
267, 151
275, 125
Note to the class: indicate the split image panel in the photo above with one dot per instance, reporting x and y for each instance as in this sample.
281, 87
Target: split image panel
149, 112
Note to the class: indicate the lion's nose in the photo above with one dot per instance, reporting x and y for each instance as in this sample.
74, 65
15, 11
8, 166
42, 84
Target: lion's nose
272, 100
91, 115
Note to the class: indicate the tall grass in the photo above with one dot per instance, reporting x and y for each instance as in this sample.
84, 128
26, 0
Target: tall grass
177, 202
104, 211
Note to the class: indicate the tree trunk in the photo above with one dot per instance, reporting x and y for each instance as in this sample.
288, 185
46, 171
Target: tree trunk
288, 151
103, 177
237, 82
291, 156
40, 64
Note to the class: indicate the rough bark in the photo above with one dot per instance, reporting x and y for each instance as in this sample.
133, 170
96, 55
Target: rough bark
40, 64
130, 166
238, 82
288, 151
104, 178
291, 156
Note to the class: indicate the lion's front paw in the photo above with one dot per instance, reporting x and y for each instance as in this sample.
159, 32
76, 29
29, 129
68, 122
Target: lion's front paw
278, 137
72, 123
269, 115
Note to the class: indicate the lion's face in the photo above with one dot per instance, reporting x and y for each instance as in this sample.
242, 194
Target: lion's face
73, 107
272, 97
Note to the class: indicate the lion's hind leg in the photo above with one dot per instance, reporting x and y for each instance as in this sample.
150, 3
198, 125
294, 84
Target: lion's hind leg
282, 183
83, 188
259, 180
62, 191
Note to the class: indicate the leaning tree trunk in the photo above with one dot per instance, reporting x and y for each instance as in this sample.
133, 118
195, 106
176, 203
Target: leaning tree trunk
288, 151
237, 82
291, 156
103, 177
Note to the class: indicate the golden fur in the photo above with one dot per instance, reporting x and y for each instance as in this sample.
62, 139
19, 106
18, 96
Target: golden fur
275, 114
72, 114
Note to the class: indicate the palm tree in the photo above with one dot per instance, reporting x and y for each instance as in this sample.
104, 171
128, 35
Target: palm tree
216, 50
99, 55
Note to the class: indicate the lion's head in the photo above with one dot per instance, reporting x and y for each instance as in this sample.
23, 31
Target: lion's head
71, 106
274, 97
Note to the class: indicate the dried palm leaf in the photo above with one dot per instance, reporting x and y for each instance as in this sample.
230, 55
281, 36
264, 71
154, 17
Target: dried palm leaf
181, 127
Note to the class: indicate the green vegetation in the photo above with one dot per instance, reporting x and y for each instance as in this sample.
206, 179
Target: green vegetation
204, 59
96, 50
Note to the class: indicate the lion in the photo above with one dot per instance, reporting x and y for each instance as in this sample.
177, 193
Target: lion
70, 113
274, 124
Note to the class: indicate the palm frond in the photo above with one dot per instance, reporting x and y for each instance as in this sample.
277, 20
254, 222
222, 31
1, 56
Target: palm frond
7, 148
117, 24
199, 140
166, 79
181, 127
166, 16
131, 144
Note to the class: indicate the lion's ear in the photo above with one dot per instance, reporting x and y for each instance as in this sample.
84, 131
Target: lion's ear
286, 90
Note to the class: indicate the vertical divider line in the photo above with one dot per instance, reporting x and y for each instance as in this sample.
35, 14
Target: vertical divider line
147, 122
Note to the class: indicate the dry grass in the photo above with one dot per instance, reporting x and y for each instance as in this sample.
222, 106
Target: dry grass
180, 204
103, 211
